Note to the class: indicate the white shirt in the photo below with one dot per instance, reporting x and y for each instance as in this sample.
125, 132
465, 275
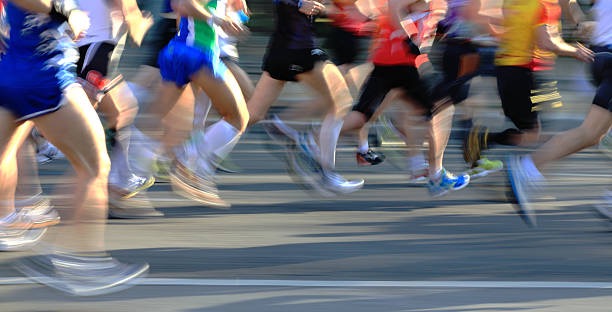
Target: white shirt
101, 24
603, 29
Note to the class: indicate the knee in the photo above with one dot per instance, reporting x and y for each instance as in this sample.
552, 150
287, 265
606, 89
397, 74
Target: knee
95, 169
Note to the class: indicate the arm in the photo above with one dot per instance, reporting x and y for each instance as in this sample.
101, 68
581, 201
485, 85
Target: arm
35, 6
65, 9
397, 10
195, 10
548, 38
572, 7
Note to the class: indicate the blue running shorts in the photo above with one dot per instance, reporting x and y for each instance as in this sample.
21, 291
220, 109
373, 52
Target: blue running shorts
178, 62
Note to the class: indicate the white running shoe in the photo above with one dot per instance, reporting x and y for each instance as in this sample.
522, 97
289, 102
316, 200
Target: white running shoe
81, 276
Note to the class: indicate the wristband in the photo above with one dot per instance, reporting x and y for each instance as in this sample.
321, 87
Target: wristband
61, 9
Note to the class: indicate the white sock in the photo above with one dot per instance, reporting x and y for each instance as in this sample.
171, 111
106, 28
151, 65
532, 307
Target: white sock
417, 162
218, 141
436, 176
120, 169
363, 147
143, 153
530, 169
328, 139
294, 134
200, 110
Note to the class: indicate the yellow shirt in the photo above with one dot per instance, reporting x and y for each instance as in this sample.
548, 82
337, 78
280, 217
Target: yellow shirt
521, 18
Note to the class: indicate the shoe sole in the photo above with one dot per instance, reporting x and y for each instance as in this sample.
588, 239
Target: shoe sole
133, 213
484, 173
63, 286
190, 192
40, 233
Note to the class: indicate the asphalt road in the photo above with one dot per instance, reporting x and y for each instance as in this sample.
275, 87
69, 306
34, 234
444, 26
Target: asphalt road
388, 247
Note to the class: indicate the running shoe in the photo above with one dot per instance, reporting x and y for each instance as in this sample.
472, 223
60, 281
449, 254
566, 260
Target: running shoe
137, 207
483, 167
17, 232
473, 144
369, 158
41, 213
132, 186
161, 168
446, 183
326, 183
47, 153
79, 275
604, 208
196, 187
334, 182
278, 131
520, 188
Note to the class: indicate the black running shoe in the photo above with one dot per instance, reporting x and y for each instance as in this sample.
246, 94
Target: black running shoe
369, 158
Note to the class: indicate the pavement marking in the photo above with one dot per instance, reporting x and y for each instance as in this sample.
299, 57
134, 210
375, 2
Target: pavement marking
345, 284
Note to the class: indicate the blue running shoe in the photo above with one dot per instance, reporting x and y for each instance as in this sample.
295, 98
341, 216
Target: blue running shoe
518, 192
446, 183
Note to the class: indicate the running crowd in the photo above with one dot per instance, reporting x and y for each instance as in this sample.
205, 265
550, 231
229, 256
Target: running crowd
62, 95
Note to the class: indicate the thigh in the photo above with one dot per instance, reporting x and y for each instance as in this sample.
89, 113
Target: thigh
514, 85
76, 130
372, 93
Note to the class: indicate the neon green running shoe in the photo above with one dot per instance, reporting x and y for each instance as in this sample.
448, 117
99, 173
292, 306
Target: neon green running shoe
483, 167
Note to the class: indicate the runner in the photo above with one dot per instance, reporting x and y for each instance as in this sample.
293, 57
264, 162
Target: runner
398, 62
37, 45
293, 56
193, 56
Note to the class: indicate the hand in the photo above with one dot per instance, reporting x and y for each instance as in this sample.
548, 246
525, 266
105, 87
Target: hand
139, 24
311, 7
583, 53
79, 23
231, 27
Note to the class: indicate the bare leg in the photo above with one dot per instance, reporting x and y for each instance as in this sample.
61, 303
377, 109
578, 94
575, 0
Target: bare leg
596, 124
441, 124
327, 81
266, 93
28, 182
11, 139
76, 130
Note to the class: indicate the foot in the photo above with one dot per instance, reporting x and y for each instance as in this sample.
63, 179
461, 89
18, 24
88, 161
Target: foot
195, 186
130, 186
137, 207
604, 208
80, 275
17, 232
520, 188
369, 158
47, 153
447, 182
483, 167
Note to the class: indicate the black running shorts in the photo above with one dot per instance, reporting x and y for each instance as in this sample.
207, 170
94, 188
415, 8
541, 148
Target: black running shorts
384, 78
601, 70
514, 85
286, 64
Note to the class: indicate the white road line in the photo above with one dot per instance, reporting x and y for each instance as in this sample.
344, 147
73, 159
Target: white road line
347, 284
